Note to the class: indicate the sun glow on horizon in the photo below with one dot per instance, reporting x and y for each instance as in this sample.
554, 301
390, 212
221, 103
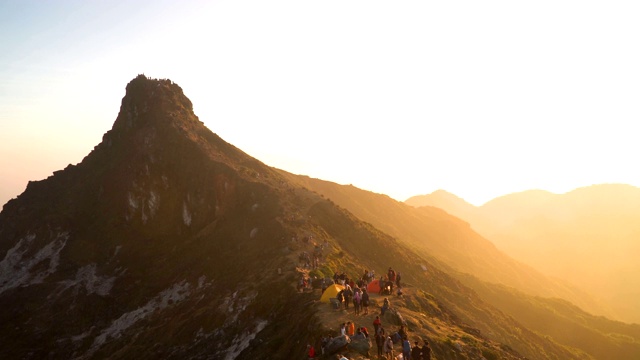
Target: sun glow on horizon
481, 100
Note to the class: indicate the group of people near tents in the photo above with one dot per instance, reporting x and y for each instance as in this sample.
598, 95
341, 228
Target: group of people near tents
345, 291
385, 342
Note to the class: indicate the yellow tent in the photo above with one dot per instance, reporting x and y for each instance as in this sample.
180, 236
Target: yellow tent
331, 292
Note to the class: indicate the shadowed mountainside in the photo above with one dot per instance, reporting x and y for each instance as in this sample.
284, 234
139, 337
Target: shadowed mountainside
587, 236
167, 242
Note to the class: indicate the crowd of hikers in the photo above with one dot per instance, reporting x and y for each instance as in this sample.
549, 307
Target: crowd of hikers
355, 291
385, 342
355, 295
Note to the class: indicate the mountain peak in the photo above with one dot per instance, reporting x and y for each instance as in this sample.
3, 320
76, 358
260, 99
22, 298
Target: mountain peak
439, 198
152, 101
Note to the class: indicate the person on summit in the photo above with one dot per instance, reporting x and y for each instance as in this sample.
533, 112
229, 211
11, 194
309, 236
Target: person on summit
380, 340
311, 354
351, 328
365, 301
388, 348
416, 351
391, 275
406, 348
402, 332
340, 297
357, 300
376, 324
385, 306
426, 351
348, 296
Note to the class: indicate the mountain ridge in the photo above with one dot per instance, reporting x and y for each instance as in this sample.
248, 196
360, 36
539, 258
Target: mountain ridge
568, 235
168, 242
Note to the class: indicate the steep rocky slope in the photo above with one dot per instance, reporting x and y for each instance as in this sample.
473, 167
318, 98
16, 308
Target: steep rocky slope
164, 242
167, 242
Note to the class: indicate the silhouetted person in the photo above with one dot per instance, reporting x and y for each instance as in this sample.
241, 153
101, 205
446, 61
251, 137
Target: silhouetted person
426, 351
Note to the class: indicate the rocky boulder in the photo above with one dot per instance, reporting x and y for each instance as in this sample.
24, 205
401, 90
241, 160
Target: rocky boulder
336, 344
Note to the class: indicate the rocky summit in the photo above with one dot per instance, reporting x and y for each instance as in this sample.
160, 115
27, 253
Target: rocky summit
166, 242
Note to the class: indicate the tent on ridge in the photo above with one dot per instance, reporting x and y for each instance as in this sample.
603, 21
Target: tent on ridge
331, 292
373, 287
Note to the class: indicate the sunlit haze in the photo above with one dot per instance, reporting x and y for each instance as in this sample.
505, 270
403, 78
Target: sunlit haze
402, 98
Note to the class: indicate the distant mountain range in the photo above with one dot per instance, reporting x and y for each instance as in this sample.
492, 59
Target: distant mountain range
166, 242
589, 236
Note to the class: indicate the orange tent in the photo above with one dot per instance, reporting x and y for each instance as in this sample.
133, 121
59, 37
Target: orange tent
374, 287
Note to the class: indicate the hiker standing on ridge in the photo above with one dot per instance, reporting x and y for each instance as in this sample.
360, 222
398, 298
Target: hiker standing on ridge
311, 352
391, 275
426, 351
388, 348
348, 295
385, 306
365, 301
416, 351
380, 339
402, 332
365, 277
357, 301
406, 349
376, 324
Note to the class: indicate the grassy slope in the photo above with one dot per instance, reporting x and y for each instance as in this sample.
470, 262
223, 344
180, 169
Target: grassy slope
456, 307
564, 322
446, 238
432, 225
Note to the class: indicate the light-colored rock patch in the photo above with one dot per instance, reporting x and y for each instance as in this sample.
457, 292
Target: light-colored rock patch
172, 295
16, 268
186, 214
93, 284
240, 343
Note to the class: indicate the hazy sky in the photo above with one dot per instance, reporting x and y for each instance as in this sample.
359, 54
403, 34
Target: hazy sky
480, 98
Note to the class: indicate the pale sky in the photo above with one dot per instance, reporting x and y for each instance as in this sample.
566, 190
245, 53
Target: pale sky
480, 98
